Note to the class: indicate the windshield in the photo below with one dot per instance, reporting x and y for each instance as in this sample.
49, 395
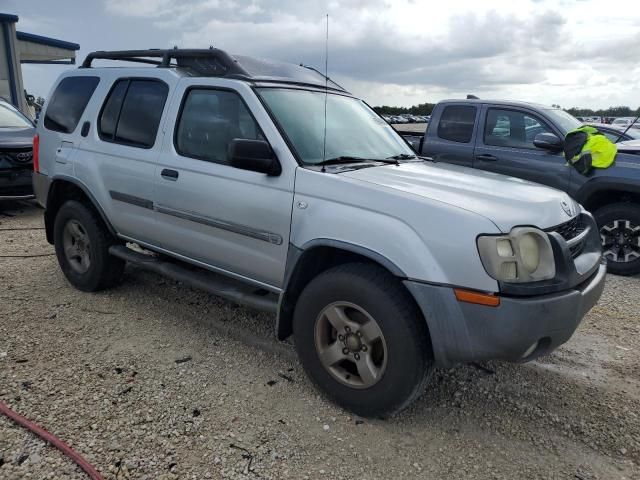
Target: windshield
11, 118
353, 129
565, 121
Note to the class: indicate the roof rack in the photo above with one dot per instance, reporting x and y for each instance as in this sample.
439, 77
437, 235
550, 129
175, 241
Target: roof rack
210, 61
213, 62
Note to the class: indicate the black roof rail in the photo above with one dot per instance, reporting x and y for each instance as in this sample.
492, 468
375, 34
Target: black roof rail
203, 61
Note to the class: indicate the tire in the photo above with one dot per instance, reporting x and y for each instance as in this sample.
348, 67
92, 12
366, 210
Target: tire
615, 221
400, 356
85, 262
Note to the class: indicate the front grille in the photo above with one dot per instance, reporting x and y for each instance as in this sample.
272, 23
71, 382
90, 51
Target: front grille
569, 231
17, 156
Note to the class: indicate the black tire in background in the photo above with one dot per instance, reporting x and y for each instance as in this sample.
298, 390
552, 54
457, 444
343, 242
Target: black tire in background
408, 359
102, 270
619, 225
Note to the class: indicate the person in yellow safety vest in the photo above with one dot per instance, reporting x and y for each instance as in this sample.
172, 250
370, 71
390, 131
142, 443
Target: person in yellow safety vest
586, 148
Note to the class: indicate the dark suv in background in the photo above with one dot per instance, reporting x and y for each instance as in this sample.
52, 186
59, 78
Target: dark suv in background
16, 153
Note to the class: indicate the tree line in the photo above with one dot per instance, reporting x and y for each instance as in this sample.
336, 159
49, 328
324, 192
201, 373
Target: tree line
426, 108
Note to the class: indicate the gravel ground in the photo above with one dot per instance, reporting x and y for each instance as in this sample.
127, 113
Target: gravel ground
153, 380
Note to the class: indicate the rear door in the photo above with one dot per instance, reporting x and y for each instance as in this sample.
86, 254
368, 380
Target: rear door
230, 220
505, 145
117, 159
451, 136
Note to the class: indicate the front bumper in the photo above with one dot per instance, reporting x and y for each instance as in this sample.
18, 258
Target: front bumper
464, 332
15, 184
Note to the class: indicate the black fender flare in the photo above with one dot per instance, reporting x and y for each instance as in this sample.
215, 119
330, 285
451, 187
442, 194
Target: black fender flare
295, 254
600, 184
52, 199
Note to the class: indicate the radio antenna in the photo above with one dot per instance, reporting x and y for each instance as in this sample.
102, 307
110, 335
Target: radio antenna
326, 86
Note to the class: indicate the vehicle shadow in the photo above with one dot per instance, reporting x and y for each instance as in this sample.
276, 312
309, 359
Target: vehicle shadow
13, 208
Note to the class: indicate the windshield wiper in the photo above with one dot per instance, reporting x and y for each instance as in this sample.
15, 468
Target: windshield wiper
349, 159
402, 156
342, 159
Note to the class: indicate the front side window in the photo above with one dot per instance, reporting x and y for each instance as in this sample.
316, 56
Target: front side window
132, 111
510, 128
563, 120
456, 123
209, 121
352, 128
12, 118
68, 102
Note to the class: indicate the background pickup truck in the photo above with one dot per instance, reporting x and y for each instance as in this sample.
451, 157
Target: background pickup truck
525, 140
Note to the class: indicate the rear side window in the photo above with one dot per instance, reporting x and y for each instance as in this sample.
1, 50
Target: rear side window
456, 123
111, 109
68, 102
131, 113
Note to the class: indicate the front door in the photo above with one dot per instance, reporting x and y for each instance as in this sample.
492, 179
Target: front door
505, 146
231, 220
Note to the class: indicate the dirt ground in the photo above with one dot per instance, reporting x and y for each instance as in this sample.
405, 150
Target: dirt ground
153, 380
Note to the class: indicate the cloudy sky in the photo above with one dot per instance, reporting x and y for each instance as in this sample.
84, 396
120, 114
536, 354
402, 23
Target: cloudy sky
582, 53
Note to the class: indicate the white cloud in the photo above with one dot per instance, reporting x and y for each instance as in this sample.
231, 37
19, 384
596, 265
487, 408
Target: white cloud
406, 51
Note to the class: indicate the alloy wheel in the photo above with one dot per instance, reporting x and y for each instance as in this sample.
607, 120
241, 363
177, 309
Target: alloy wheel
620, 241
350, 345
77, 247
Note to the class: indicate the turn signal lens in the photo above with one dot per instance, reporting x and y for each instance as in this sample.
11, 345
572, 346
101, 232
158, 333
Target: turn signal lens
478, 298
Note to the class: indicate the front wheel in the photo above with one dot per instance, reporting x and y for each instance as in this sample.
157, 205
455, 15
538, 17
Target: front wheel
619, 225
362, 340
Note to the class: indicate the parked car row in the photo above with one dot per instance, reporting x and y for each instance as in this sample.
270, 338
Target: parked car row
616, 121
406, 118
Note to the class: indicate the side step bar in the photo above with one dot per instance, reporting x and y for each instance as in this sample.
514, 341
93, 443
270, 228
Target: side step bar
202, 280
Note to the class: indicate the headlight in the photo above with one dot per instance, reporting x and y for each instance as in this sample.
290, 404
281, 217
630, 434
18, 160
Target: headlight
525, 255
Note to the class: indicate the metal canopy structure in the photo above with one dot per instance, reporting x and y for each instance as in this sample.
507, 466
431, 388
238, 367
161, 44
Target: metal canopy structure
38, 49
17, 48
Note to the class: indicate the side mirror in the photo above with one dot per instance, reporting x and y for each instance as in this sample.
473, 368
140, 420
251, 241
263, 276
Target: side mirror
548, 141
254, 155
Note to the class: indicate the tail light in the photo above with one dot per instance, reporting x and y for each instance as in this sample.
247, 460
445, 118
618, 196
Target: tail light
36, 153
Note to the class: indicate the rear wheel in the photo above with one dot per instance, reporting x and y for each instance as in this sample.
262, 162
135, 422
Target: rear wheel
82, 244
361, 338
619, 225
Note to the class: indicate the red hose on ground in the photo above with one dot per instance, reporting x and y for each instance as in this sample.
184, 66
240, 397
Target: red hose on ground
56, 442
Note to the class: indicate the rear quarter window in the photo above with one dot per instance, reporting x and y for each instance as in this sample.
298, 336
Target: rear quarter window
456, 123
68, 102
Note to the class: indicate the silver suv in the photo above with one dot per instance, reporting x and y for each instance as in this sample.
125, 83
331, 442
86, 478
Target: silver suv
273, 187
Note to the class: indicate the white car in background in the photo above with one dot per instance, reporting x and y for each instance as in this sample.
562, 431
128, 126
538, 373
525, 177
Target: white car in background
625, 122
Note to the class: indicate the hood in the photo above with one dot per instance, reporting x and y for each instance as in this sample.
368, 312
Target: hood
16, 137
506, 201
